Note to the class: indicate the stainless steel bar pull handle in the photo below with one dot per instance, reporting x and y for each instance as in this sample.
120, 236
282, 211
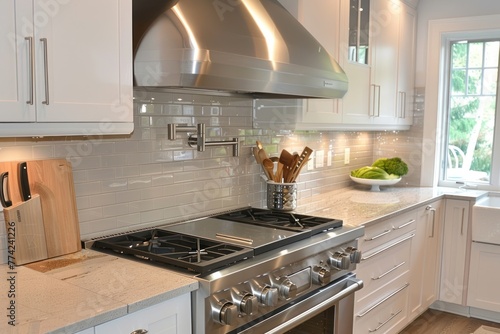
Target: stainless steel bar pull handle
45, 70
374, 306
375, 108
462, 225
389, 271
382, 324
378, 235
404, 105
31, 78
433, 211
404, 225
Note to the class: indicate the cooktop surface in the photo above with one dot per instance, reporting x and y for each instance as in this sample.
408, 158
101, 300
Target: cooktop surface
259, 238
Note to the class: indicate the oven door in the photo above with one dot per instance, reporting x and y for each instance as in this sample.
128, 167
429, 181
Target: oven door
326, 310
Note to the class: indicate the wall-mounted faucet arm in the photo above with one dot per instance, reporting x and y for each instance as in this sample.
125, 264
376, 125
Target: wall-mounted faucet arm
199, 139
174, 128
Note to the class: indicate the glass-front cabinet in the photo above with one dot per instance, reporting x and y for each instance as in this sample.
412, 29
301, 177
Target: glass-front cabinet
359, 31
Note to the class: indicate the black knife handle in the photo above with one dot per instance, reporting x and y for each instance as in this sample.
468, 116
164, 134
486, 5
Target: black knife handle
5, 200
24, 181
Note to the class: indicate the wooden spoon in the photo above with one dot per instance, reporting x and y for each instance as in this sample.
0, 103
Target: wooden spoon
286, 158
256, 155
269, 168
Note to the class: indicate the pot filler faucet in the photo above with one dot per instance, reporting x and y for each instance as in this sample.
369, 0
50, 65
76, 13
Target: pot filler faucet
199, 140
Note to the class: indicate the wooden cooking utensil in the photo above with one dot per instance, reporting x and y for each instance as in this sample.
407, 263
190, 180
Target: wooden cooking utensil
256, 155
301, 161
286, 158
269, 167
279, 173
263, 156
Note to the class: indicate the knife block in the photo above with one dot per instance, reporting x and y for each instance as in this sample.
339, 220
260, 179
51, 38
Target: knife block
28, 231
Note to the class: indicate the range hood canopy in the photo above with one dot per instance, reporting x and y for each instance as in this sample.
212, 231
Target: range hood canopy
245, 46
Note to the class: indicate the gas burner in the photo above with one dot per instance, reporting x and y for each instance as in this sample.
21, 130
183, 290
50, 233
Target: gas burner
282, 220
195, 254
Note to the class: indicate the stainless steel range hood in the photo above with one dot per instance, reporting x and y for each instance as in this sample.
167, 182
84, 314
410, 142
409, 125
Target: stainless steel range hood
246, 46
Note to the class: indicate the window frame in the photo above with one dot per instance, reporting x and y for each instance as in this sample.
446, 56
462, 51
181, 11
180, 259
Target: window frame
445, 68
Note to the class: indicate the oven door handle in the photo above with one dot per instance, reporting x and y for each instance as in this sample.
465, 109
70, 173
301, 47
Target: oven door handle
354, 285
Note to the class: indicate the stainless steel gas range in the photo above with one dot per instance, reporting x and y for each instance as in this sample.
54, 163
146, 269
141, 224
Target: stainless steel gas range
260, 271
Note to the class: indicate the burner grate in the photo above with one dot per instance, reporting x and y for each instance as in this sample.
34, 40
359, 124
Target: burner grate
195, 254
282, 220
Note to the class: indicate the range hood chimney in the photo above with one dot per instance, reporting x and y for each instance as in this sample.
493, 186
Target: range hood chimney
253, 47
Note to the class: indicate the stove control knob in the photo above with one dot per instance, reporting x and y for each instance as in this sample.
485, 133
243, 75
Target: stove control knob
287, 289
321, 275
269, 296
249, 304
354, 253
224, 312
340, 260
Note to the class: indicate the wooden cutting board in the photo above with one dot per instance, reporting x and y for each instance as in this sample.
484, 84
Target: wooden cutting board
52, 180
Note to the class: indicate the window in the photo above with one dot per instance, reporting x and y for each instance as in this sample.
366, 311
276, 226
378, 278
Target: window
468, 154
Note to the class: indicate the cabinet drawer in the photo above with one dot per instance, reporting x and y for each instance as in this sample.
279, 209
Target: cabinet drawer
382, 265
387, 315
387, 230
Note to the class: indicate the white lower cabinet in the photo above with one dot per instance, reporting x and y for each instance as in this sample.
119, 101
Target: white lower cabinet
382, 305
400, 269
172, 316
484, 277
456, 240
388, 314
425, 258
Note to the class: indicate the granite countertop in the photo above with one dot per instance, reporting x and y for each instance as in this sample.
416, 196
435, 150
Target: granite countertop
359, 206
74, 292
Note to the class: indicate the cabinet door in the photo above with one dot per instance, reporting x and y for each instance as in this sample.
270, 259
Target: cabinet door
83, 61
484, 277
424, 272
406, 65
321, 112
15, 80
433, 219
320, 18
169, 317
355, 103
456, 226
384, 17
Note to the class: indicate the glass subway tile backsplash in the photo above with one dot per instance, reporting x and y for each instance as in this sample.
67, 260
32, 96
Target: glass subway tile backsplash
128, 182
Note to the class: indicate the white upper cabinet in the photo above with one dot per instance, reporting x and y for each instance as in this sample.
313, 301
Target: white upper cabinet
68, 65
374, 42
384, 31
354, 59
406, 65
14, 63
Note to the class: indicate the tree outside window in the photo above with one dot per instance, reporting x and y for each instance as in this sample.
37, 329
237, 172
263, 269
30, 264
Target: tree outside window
472, 109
